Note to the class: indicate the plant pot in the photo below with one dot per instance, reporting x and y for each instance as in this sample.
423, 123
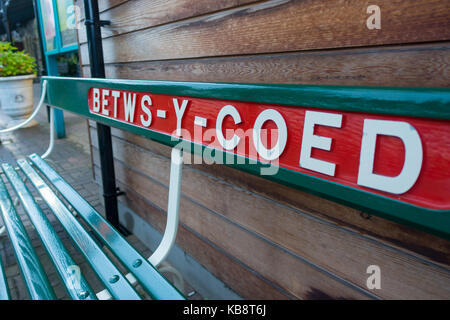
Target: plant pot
16, 97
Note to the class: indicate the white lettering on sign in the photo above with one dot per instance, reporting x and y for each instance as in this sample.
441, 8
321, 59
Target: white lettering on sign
105, 94
200, 121
129, 106
310, 140
277, 150
116, 95
179, 112
413, 156
146, 110
161, 114
96, 100
228, 110
244, 133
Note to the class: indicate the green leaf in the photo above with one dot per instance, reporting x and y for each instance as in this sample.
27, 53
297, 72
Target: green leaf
14, 62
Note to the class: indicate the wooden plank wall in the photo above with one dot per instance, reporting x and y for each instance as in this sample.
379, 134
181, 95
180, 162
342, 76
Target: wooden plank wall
265, 240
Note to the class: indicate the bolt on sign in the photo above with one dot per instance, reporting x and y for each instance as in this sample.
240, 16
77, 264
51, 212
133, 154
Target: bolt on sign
383, 150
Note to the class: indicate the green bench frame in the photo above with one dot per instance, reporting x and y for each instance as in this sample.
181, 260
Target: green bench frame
119, 286
71, 94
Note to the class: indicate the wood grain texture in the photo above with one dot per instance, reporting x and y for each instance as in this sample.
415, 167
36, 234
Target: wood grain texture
317, 240
416, 242
140, 14
407, 66
103, 5
282, 26
278, 266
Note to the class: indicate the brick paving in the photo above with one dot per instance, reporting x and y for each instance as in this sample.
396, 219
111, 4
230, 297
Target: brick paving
72, 160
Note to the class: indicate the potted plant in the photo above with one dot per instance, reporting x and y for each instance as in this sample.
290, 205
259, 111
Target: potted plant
17, 71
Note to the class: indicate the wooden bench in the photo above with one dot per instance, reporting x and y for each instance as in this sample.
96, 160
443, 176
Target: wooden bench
169, 112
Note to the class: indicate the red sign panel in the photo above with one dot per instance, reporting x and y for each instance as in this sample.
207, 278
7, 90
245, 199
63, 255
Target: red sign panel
403, 158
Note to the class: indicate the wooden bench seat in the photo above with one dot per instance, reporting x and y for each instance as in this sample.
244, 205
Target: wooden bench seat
53, 189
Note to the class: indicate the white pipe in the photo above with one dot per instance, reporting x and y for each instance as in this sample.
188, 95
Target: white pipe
52, 134
2, 230
36, 110
170, 233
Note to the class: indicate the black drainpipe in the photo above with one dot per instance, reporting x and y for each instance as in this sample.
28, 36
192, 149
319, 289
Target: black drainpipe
94, 40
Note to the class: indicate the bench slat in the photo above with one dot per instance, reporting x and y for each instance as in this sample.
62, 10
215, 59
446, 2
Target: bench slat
4, 292
153, 282
60, 257
111, 277
33, 274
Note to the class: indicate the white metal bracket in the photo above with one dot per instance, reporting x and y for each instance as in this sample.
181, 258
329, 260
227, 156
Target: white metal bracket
170, 233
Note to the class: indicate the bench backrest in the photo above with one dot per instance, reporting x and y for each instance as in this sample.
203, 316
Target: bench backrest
377, 149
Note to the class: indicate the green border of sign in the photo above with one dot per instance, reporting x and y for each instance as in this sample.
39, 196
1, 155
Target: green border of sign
71, 94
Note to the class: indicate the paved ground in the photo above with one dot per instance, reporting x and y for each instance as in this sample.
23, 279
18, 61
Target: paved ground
71, 158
